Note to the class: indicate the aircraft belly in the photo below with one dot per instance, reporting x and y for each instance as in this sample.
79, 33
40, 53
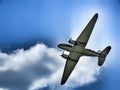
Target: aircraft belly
77, 49
83, 51
90, 53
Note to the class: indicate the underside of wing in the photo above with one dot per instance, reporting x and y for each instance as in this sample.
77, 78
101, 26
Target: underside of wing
84, 36
67, 71
69, 66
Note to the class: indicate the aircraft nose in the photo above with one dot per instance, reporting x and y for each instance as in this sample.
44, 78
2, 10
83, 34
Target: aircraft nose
59, 45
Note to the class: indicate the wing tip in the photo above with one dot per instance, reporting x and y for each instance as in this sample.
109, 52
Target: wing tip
96, 15
62, 83
109, 47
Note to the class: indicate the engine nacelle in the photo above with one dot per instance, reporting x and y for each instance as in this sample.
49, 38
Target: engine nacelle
65, 56
71, 41
75, 42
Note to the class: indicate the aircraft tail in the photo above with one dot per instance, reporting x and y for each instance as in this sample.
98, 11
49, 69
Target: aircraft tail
103, 55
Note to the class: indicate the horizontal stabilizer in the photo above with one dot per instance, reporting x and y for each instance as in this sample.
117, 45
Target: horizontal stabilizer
103, 55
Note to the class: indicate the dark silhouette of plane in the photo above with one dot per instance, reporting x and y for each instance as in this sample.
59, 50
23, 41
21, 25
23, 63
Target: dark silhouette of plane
77, 49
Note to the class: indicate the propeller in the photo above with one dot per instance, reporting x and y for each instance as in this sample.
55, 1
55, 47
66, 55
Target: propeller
70, 40
62, 53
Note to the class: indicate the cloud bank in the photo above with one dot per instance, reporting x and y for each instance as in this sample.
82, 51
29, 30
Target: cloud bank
40, 67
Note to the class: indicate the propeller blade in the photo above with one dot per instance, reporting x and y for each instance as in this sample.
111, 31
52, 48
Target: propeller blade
62, 53
70, 39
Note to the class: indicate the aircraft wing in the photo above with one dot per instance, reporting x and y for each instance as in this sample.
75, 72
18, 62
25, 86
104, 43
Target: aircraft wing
84, 36
69, 66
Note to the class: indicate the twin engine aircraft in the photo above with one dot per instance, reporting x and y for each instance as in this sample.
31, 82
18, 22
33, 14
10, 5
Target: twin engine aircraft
77, 49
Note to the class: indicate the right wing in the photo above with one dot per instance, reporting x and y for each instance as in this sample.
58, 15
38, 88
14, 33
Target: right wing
84, 36
69, 66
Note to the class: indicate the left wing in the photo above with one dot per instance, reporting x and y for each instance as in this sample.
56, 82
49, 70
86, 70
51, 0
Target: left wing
69, 66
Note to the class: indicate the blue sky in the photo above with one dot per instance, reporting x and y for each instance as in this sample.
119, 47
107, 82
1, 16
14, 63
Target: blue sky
24, 23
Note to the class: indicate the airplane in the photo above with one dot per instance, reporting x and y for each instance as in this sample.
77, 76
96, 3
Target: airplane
77, 49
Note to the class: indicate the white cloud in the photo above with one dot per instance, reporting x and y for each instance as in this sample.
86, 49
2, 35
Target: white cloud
3, 89
40, 66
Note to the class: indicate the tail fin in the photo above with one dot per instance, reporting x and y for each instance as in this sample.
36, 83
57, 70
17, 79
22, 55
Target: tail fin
103, 55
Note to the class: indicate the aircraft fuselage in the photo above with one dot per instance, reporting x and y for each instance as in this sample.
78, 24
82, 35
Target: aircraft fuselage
78, 49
